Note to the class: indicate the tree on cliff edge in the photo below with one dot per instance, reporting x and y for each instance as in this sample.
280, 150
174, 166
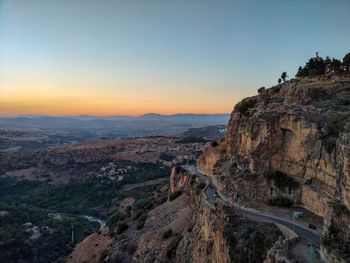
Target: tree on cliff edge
284, 76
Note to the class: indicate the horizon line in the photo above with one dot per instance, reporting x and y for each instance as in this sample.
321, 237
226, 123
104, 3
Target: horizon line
110, 116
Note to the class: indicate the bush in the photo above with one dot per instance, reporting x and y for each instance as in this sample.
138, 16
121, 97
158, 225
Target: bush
140, 225
280, 201
334, 126
137, 214
245, 105
168, 233
340, 208
173, 196
333, 239
122, 227
114, 219
143, 204
141, 221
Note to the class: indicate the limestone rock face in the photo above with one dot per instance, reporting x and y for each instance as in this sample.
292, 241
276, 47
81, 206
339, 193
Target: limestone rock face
211, 157
179, 179
299, 128
290, 141
216, 233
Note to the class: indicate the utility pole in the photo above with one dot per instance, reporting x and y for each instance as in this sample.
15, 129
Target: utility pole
72, 229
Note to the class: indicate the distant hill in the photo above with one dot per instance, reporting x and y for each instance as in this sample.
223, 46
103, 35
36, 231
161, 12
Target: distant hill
187, 117
117, 126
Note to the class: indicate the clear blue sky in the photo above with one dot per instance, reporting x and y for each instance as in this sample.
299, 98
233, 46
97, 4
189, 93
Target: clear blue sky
132, 57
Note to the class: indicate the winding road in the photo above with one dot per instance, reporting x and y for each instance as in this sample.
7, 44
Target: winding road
211, 195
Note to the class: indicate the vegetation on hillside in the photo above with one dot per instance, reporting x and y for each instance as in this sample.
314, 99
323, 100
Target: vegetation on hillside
333, 238
18, 244
333, 126
244, 106
318, 66
91, 196
190, 139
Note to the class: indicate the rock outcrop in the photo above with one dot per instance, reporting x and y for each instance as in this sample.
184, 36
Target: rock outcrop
300, 129
289, 144
187, 229
216, 233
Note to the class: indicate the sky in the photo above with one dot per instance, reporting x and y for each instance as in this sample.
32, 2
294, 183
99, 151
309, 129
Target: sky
105, 57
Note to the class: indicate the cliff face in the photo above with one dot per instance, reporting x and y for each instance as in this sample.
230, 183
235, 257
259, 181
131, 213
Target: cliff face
216, 233
200, 232
291, 141
300, 129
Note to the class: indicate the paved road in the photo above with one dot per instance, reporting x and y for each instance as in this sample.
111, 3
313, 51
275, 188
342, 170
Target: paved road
302, 231
210, 193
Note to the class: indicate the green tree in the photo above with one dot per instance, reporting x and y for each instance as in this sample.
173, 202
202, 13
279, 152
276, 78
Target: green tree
346, 59
284, 76
279, 81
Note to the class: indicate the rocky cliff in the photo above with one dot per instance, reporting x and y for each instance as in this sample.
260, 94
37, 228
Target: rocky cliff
187, 229
289, 144
219, 234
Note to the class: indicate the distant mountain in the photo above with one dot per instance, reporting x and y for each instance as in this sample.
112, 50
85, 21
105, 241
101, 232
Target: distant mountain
120, 126
186, 117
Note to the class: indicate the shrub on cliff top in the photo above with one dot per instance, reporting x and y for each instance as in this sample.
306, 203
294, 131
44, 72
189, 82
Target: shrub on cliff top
318, 66
245, 105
